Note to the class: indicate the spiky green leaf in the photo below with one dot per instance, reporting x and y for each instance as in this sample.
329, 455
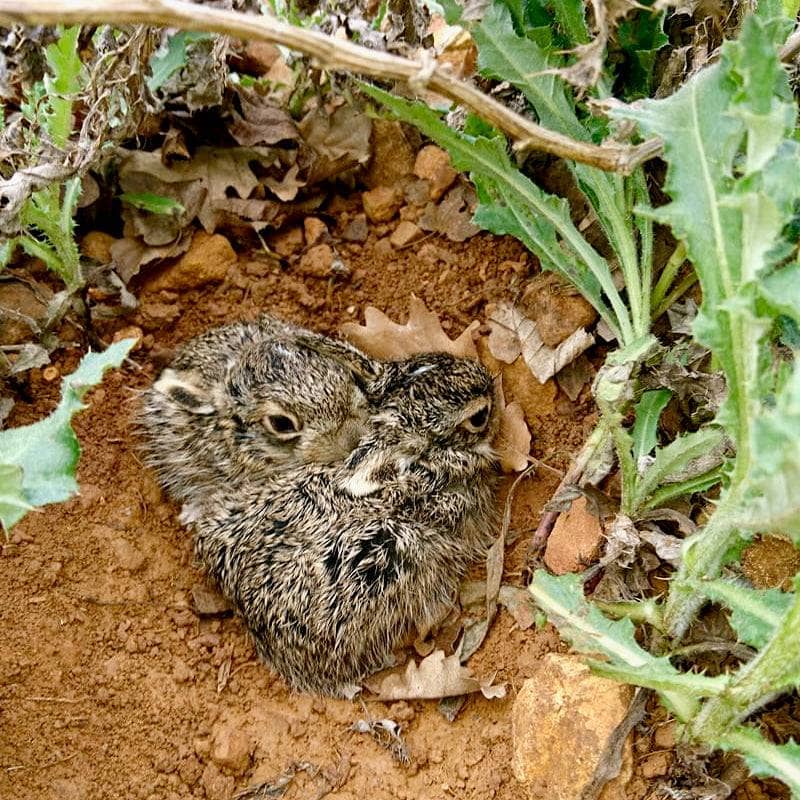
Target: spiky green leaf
764, 759
645, 426
37, 462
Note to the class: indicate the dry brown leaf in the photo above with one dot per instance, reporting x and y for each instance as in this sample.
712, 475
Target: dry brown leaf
337, 142
434, 677
451, 217
513, 441
217, 170
380, 337
519, 603
572, 378
130, 255
543, 361
261, 121
287, 187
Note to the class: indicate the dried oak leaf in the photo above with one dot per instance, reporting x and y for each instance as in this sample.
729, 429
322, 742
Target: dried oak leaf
130, 255
261, 121
513, 440
451, 217
380, 337
434, 677
543, 361
217, 170
335, 142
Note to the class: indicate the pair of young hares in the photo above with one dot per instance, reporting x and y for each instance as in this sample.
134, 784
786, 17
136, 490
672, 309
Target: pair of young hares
336, 500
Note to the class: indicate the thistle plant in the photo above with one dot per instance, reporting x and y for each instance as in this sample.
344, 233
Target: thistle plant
733, 183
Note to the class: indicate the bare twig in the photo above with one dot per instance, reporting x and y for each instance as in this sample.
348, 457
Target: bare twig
333, 54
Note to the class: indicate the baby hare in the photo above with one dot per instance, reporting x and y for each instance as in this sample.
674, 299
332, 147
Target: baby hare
330, 565
241, 400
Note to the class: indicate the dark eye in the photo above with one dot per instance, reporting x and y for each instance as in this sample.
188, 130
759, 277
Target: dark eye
478, 419
282, 425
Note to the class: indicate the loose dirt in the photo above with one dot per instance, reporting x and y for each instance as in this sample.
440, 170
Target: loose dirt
111, 686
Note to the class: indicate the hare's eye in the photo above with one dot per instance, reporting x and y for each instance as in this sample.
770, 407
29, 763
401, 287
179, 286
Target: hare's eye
282, 425
478, 420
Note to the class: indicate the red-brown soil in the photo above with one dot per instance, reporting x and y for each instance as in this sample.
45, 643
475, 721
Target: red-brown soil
109, 680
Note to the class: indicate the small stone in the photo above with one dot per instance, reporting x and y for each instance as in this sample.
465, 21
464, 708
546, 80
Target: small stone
575, 540
129, 332
231, 748
18, 297
404, 234
190, 771
656, 764
258, 58
217, 785
287, 243
392, 154
664, 737
315, 230
206, 261
556, 307
433, 165
51, 373
562, 719
96, 245
357, 230
383, 248
208, 602
128, 557
317, 262
381, 203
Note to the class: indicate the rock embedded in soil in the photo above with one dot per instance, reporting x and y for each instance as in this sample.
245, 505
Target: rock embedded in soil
315, 230
209, 602
317, 262
129, 557
392, 155
357, 230
575, 541
206, 261
382, 203
96, 245
287, 242
555, 307
433, 165
562, 720
404, 234
231, 747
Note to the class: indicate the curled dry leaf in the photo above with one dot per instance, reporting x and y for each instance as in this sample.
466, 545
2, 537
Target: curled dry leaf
380, 337
261, 121
513, 440
519, 604
434, 677
452, 217
543, 361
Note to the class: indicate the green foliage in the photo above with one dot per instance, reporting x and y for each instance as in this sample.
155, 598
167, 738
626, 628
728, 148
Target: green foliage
711, 709
38, 461
172, 58
154, 203
734, 183
47, 216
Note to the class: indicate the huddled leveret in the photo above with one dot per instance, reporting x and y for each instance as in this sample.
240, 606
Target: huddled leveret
332, 562
331, 565
242, 400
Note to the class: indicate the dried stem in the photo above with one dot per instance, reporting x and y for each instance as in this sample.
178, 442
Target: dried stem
332, 54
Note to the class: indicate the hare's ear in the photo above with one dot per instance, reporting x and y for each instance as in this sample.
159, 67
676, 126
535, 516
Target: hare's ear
365, 370
186, 390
